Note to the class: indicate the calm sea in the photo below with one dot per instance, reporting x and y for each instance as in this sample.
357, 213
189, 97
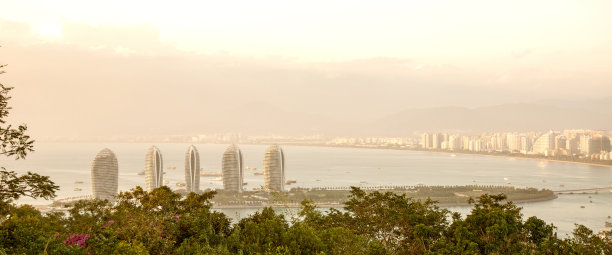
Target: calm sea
323, 166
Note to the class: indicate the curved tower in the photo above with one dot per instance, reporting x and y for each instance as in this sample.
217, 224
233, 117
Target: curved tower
104, 175
274, 168
154, 169
192, 169
544, 143
232, 169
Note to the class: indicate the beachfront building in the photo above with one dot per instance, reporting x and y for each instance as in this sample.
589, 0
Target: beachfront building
274, 168
544, 144
154, 169
232, 169
192, 169
105, 175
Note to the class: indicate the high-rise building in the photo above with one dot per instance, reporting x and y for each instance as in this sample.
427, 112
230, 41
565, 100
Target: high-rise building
514, 142
274, 168
585, 144
192, 169
454, 142
105, 175
598, 144
526, 144
436, 141
572, 145
560, 142
426, 140
232, 169
154, 169
544, 143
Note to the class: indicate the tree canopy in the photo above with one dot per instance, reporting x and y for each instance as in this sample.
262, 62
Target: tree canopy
164, 222
15, 142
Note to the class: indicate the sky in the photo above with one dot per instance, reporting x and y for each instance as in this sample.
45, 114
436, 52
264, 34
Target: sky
79, 65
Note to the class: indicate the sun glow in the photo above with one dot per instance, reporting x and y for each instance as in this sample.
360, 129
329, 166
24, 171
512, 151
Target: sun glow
51, 28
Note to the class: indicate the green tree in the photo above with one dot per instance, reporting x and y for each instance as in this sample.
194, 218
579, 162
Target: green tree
14, 142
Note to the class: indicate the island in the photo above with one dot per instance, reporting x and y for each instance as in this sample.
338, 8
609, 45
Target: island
336, 196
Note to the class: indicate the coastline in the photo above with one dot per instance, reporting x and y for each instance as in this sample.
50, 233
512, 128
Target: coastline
445, 152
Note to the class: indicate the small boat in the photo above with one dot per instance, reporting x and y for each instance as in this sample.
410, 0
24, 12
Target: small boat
166, 182
77, 189
453, 155
244, 183
78, 182
141, 172
582, 206
364, 182
317, 180
608, 224
218, 179
180, 184
258, 173
290, 181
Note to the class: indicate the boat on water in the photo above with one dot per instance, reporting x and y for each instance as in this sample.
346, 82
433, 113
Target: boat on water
78, 182
141, 172
453, 155
180, 184
218, 179
244, 183
608, 224
250, 168
166, 182
211, 174
290, 181
364, 182
78, 189
258, 173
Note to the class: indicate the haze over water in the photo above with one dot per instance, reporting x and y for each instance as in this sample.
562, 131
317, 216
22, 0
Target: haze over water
70, 162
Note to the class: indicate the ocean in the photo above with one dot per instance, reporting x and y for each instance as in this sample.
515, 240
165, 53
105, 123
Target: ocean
332, 166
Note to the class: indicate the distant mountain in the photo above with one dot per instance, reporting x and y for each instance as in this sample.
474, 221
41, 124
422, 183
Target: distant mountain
506, 117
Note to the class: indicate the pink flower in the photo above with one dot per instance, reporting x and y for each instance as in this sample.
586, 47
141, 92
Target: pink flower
110, 222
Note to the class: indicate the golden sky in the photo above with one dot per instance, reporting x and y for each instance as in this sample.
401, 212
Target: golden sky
452, 31
123, 61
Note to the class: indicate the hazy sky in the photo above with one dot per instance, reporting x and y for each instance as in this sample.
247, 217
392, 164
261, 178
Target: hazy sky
344, 60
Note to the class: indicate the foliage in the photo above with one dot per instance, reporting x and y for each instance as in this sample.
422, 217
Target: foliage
164, 222
14, 142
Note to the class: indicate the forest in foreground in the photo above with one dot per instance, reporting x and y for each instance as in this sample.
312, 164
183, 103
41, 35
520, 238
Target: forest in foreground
166, 222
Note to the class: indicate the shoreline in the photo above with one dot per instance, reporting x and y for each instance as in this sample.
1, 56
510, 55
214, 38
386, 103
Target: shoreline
444, 152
